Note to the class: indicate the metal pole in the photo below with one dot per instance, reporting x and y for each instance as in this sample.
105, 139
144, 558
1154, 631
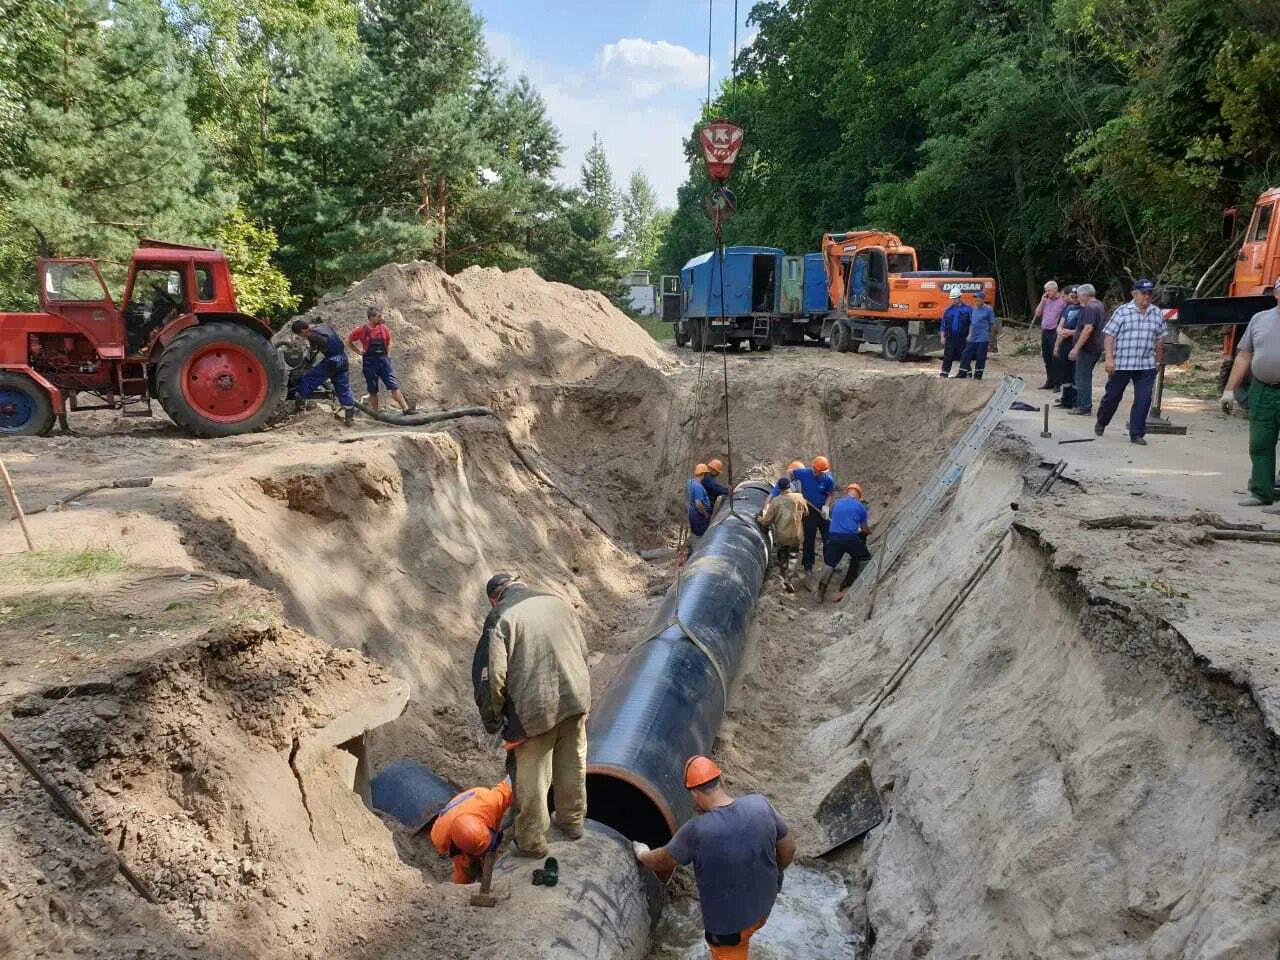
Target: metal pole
17, 507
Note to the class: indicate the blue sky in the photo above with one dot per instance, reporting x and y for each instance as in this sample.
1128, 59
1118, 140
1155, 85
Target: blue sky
634, 71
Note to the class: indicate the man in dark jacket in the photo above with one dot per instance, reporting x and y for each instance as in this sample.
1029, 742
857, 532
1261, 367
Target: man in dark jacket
534, 686
955, 330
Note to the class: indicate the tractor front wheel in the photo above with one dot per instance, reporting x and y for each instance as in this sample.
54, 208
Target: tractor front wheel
219, 379
25, 408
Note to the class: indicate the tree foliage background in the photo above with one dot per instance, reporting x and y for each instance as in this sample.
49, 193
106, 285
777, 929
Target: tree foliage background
313, 140
1077, 139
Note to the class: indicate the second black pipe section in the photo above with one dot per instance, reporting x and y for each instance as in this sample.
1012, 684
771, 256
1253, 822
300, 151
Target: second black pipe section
669, 697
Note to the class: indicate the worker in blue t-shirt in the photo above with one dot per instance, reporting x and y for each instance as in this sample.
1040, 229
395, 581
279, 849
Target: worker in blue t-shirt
819, 488
699, 503
711, 483
846, 536
738, 847
981, 321
954, 330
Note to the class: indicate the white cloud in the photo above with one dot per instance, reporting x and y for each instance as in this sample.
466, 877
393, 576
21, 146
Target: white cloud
650, 66
637, 96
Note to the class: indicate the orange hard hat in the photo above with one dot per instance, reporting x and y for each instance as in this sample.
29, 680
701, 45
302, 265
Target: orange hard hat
795, 465
700, 469
715, 466
821, 463
470, 834
700, 770
855, 489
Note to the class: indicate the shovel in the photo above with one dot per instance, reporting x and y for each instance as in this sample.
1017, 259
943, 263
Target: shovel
849, 810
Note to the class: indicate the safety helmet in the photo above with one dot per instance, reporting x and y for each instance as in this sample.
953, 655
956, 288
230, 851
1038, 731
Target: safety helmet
699, 771
795, 465
715, 466
855, 489
701, 469
470, 834
821, 463
955, 293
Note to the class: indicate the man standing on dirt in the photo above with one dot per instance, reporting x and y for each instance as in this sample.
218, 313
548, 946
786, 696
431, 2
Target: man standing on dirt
1258, 356
1067, 326
850, 524
954, 330
326, 344
1088, 347
373, 342
539, 685
1134, 346
469, 826
819, 489
739, 849
784, 515
1048, 312
982, 320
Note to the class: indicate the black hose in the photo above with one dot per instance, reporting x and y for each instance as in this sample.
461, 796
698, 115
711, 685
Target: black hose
422, 419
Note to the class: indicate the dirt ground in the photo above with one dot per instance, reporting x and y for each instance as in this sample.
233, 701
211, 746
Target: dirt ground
1083, 764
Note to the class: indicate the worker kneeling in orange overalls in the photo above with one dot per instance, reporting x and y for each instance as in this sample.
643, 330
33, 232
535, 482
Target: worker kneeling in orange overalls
470, 826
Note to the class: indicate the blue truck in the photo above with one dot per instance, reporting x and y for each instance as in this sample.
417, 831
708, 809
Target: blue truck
740, 310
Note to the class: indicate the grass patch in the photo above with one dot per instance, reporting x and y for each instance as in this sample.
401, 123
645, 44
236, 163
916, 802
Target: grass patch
657, 328
46, 566
1198, 380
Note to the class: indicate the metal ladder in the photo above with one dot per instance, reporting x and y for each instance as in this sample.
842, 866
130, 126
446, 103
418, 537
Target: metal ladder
908, 522
134, 389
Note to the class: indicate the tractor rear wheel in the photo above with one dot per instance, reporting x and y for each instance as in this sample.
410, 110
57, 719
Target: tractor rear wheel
25, 408
219, 379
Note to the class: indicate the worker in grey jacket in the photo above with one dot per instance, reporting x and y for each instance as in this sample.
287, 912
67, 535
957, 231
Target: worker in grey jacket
534, 678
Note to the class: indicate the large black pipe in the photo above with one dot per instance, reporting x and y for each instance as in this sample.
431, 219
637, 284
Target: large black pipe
668, 699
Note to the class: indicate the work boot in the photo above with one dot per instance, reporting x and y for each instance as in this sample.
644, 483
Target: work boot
822, 587
1251, 502
351, 415
299, 405
411, 408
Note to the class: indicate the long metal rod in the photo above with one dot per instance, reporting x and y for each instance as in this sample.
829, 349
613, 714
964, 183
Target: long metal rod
17, 506
72, 812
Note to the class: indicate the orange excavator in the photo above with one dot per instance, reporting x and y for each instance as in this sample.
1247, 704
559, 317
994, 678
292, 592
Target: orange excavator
879, 295
1254, 263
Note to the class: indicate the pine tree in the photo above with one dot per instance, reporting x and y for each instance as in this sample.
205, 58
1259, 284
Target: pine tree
643, 224
583, 249
108, 152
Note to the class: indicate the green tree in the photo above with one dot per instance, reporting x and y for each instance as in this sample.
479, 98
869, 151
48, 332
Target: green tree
108, 153
261, 288
581, 248
643, 224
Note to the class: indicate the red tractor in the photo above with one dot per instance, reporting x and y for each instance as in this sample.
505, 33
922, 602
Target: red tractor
177, 337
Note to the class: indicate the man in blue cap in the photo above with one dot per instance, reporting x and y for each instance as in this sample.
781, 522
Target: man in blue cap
1134, 348
982, 319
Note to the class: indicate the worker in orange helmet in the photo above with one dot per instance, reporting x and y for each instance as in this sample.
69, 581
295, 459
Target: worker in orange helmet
819, 488
711, 483
846, 536
469, 826
699, 502
739, 849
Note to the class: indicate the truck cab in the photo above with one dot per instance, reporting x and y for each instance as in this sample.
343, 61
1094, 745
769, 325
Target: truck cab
1258, 262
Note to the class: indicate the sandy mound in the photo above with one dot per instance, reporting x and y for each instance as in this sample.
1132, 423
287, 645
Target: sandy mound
459, 338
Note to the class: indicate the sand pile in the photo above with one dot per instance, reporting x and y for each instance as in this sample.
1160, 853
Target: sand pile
456, 339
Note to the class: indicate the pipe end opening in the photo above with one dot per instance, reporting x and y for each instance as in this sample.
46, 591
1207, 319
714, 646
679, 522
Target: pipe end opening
628, 809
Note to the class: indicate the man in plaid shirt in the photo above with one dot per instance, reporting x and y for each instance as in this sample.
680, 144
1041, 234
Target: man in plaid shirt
1134, 347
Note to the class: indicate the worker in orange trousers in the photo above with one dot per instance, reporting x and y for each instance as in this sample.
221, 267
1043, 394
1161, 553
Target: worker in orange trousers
739, 847
469, 826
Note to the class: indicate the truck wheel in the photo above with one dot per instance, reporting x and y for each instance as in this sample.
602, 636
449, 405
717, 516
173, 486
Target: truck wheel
762, 345
697, 339
895, 343
839, 338
25, 408
682, 335
219, 379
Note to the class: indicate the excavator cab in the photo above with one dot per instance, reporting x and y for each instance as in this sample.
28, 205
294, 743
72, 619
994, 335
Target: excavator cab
869, 280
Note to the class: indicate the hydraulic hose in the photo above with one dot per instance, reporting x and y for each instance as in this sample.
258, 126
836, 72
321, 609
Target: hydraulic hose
422, 419
669, 696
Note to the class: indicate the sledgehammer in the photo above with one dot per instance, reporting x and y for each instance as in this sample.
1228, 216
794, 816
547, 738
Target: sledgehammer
485, 897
